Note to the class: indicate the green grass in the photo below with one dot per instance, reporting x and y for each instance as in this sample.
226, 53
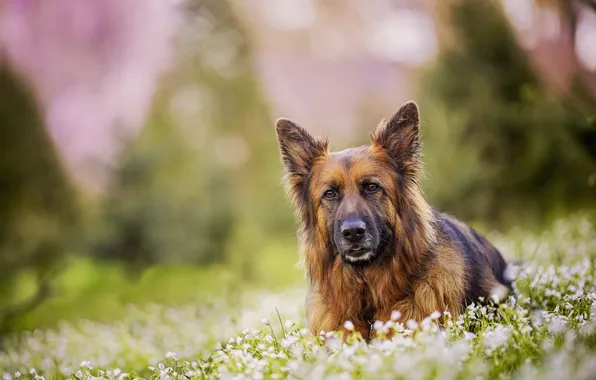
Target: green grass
548, 330
86, 289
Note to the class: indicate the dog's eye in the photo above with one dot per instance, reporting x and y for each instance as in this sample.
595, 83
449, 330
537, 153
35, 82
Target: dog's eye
371, 187
329, 194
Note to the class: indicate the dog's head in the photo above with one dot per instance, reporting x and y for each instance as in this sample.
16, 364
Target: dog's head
350, 200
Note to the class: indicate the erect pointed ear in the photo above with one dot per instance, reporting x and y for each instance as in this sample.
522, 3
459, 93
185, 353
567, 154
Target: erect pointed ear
400, 137
298, 151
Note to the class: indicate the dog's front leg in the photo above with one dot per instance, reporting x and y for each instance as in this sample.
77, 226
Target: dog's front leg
322, 317
422, 304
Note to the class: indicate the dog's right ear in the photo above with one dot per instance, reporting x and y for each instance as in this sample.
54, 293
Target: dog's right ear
298, 151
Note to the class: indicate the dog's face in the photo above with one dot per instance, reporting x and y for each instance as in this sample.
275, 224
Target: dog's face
351, 198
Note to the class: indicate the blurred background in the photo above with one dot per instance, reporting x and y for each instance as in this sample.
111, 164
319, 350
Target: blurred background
139, 163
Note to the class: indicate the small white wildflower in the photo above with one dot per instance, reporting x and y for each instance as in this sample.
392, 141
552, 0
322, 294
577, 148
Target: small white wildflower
495, 337
265, 321
498, 293
435, 315
288, 324
171, 355
17, 374
378, 325
538, 317
469, 335
333, 343
79, 374
426, 324
395, 314
557, 325
511, 272
412, 324
117, 372
86, 363
348, 325
32, 371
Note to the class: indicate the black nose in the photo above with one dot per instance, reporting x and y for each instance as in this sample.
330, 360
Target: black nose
353, 230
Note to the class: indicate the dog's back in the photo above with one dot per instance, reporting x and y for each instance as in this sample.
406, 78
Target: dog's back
484, 263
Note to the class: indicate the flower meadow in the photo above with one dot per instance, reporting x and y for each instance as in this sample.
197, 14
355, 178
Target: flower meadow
545, 330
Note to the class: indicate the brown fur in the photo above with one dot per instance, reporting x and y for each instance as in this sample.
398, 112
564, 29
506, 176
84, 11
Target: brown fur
426, 265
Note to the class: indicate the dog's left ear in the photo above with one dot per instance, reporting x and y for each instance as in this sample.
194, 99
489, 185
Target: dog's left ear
400, 138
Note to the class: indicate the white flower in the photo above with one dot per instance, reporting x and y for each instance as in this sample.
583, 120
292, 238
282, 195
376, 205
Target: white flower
511, 272
495, 337
171, 355
557, 324
498, 293
378, 325
395, 314
412, 324
17, 374
348, 325
265, 321
469, 335
86, 363
435, 315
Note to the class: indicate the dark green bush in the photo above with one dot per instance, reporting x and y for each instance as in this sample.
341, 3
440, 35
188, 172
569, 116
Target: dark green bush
36, 202
498, 144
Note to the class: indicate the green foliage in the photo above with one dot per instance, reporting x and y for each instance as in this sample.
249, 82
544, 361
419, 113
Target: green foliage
102, 291
498, 143
203, 178
166, 205
36, 208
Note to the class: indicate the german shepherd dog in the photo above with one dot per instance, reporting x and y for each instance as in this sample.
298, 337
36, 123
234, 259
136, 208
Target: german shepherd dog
370, 242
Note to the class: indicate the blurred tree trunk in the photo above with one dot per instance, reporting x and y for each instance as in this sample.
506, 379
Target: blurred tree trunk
36, 207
